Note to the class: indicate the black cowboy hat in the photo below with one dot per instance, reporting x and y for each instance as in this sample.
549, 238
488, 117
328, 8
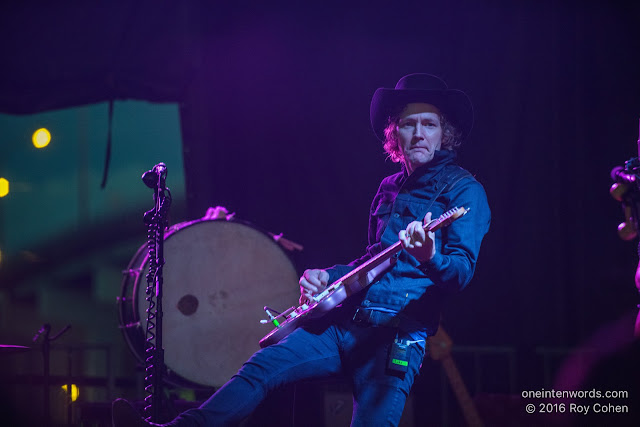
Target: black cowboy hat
420, 87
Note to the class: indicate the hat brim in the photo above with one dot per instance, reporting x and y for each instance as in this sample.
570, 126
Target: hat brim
453, 103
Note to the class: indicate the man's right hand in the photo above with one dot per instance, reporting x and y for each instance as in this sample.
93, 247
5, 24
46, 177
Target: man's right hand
312, 282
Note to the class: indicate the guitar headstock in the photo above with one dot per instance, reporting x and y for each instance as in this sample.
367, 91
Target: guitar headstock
446, 218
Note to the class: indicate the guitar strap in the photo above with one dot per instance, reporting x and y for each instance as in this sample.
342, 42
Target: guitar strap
448, 178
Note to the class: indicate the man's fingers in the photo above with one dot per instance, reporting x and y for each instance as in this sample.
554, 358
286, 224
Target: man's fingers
305, 298
323, 277
404, 238
411, 229
314, 281
427, 218
311, 277
415, 232
305, 284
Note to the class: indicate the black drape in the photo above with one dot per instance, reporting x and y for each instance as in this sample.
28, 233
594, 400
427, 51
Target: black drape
274, 111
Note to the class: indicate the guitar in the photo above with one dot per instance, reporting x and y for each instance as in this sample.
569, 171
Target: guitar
440, 349
349, 284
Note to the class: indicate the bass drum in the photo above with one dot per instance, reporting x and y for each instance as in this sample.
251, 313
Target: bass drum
218, 276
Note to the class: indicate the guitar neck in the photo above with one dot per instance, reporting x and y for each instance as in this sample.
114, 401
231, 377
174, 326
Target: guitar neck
432, 226
378, 259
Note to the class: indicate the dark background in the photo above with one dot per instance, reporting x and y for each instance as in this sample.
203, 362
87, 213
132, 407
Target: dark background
274, 105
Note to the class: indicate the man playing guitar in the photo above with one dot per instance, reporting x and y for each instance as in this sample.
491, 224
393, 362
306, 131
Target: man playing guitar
376, 337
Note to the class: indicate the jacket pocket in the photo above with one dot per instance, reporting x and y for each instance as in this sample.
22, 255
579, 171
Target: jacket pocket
381, 217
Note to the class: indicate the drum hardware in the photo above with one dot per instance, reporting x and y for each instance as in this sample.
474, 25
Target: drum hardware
219, 212
44, 332
156, 220
10, 349
626, 190
135, 272
130, 325
122, 300
286, 243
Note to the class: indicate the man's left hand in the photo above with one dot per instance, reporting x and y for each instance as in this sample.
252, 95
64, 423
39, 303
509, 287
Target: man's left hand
419, 243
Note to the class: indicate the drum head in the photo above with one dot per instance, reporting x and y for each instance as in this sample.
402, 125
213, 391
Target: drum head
218, 276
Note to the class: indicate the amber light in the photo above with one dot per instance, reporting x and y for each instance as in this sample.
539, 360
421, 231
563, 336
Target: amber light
4, 187
41, 138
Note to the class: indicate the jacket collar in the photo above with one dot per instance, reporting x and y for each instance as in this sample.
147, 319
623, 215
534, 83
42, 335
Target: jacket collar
441, 158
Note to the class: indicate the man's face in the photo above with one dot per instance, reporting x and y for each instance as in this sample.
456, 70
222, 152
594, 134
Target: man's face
419, 134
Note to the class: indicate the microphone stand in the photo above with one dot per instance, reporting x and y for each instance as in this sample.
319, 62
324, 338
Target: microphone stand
44, 331
156, 220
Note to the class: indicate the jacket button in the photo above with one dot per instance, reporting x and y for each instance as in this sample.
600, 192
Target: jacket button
396, 215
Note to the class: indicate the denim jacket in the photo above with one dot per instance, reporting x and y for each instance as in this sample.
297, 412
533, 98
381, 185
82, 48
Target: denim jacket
418, 290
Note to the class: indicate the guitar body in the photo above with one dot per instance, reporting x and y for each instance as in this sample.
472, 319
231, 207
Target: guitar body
304, 313
351, 283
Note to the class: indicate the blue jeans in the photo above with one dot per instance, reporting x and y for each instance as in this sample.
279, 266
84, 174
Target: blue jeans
327, 346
